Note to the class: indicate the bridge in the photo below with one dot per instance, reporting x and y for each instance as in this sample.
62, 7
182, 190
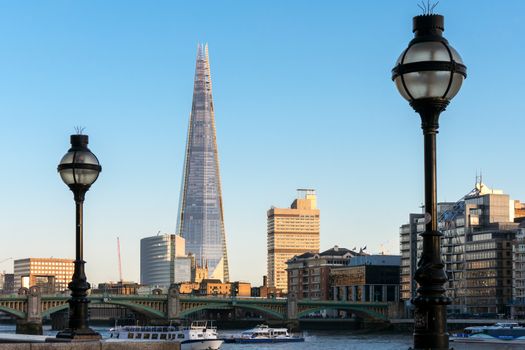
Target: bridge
29, 306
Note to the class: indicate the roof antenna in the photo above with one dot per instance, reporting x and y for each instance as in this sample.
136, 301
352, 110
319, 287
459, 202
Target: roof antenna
79, 129
427, 8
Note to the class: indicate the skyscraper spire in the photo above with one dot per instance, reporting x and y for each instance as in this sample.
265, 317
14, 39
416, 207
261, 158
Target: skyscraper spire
200, 219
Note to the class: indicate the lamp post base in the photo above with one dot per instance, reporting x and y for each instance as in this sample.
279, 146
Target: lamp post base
79, 335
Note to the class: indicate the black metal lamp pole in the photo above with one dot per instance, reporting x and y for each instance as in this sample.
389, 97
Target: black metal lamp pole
429, 73
79, 169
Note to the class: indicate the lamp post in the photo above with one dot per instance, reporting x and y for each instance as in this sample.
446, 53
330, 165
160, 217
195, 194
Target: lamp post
428, 74
79, 169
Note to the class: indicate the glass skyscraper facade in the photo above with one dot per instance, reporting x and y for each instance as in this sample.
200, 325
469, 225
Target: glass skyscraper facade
200, 219
163, 261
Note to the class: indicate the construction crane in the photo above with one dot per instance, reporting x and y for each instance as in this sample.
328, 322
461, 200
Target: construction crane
119, 261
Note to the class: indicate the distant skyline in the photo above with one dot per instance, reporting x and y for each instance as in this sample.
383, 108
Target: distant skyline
303, 99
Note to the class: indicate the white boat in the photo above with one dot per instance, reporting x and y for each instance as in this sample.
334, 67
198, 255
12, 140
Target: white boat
504, 335
264, 334
200, 335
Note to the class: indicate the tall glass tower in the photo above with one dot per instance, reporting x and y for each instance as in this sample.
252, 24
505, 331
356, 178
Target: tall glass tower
200, 219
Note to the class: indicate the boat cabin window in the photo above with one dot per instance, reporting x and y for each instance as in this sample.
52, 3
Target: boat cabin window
138, 335
163, 336
180, 336
130, 335
154, 336
200, 335
146, 335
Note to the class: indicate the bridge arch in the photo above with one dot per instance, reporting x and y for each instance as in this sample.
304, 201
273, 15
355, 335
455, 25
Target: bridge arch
147, 311
367, 312
12, 312
202, 307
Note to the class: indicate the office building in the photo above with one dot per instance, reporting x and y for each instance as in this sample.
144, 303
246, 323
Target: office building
214, 287
367, 278
309, 273
518, 274
487, 285
291, 231
52, 275
410, 241
478, 231
9, 283
163, 261
201, 219
241, 289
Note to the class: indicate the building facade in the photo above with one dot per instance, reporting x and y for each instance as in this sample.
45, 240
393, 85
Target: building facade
368, 278
478, 231
309, 273
487, 286
9, 283
291, 231
201, 218
267, 292
411, 246
163, 261
214, 287
52, 275
120, 288
410, 242
518, 274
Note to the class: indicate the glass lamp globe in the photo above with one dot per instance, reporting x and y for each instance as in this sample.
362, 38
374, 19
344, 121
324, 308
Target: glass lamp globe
429, 68
79, 167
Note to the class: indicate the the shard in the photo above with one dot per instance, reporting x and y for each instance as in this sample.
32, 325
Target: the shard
200, 219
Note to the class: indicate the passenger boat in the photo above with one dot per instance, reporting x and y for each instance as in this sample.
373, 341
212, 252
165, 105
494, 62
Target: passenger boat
198, 336
503, 335
264, 334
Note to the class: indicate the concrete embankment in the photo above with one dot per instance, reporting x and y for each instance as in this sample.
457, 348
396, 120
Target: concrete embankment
98, 345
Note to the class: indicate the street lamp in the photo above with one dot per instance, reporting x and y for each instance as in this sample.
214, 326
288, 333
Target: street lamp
428, 74
79, 169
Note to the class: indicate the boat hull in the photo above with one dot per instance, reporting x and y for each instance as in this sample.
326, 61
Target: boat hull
207, 344
486, 344
204, 344
265, 340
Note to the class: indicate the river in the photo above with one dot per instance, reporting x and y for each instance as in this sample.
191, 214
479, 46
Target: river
315, 340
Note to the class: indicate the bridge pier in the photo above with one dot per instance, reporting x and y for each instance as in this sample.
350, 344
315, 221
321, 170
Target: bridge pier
173, 302
33, 322
291, 308
28, 327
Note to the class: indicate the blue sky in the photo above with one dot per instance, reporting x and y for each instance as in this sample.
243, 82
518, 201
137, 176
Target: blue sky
303, 98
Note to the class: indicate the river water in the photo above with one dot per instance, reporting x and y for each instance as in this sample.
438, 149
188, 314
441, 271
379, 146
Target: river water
337, 340
314, 340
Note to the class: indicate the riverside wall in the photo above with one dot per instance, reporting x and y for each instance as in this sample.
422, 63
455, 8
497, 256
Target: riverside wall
98, 345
